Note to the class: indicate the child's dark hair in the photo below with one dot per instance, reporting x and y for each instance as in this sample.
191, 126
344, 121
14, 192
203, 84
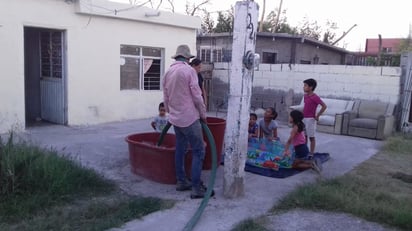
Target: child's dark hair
274, 113
297, 119
161, 105
311, 83
254, 115
195, 62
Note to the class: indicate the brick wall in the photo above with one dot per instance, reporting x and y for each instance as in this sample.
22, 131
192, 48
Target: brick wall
280, 85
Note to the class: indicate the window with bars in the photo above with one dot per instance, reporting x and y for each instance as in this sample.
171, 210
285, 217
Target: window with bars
217, 55
140, 67
209, 55
51, 50
205, 55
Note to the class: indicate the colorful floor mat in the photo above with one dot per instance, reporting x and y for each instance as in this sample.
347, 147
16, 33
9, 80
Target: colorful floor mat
267, 158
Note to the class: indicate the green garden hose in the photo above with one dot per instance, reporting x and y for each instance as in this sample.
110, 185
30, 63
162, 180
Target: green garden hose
195, 218
162, 135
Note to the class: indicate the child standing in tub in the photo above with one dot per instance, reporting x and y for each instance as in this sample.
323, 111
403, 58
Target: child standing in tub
159, 122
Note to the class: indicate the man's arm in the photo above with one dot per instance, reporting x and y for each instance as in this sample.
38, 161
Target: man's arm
204, 94
196, 93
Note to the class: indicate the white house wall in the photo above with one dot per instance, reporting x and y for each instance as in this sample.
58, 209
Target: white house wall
12, 71
93, 56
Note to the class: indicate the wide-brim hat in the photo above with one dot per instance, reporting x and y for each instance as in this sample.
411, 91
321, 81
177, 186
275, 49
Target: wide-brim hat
184, 51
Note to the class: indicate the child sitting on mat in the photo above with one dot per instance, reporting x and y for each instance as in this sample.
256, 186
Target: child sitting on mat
298, 140
253, 126
268, 127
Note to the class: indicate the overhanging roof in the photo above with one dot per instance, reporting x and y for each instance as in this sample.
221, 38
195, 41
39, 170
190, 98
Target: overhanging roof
117, 10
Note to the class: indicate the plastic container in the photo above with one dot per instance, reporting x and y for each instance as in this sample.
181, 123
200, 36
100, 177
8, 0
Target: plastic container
217, 127
156, 163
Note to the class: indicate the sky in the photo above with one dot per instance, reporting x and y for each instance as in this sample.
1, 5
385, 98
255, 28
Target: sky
391, 19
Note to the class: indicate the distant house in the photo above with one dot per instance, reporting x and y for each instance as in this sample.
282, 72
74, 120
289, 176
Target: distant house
273, 48
79, 62
390, 45
389, 53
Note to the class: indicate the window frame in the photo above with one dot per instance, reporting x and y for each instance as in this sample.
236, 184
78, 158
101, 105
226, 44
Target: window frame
266, 54
51, 54
140, 58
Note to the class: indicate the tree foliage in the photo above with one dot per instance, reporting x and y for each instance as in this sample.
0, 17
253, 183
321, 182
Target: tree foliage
309, 29
224, 21
405, 45
329, 32
208, 24
273, 23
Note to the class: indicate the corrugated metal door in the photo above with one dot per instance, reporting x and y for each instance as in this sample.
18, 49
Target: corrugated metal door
52, 100
52, 82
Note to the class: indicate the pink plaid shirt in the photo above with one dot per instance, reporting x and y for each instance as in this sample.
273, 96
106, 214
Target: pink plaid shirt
182, 95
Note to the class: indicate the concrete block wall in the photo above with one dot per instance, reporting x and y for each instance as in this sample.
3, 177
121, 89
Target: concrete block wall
281, 85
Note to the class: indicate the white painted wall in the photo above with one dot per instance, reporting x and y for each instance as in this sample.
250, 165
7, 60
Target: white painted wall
93, 38
337, 81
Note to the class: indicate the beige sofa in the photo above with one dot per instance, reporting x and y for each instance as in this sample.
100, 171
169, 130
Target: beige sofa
331, 120
369, 119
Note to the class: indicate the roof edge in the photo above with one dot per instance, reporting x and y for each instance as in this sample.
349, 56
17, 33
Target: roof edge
281, 35
110, 9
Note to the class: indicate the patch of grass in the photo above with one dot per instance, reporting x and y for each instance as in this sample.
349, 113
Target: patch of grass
399, 144
250, 225
32, 178
99, 214
41, 190
369, 191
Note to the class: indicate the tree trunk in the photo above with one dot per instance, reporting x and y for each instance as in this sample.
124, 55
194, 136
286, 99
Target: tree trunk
262, 18
240, 84
278, 16
379, 51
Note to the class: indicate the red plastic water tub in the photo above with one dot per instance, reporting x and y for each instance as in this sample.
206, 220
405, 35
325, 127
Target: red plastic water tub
154, 162
217, 127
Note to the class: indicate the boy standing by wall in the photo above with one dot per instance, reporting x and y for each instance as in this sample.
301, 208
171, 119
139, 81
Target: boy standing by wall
311, 102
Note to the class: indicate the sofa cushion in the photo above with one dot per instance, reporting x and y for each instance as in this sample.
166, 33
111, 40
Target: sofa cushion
327, 120
335, 106
371, 109
364, 123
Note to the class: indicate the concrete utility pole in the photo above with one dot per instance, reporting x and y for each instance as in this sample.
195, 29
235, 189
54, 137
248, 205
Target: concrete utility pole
240, 88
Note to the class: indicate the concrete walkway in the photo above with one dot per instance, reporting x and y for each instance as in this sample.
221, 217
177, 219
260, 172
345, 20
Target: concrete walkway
103, 148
